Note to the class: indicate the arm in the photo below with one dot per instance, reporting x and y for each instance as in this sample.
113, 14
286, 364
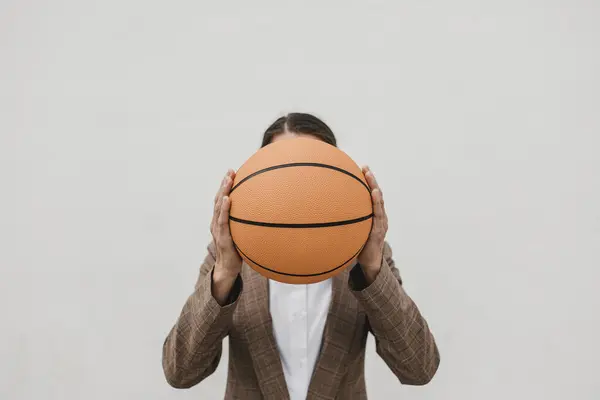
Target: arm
402, 336
192, 349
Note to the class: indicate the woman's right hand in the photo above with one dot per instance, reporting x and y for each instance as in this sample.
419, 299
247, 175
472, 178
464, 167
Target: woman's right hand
228, 262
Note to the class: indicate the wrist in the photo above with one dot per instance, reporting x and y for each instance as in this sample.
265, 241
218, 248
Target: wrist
370, 269
370, 273
222, 284
222, 273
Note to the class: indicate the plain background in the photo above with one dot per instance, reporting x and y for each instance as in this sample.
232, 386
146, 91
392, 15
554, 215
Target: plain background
480, 120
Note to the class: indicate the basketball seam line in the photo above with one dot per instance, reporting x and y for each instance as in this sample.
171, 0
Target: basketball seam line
304, 225
298, 275
300, 164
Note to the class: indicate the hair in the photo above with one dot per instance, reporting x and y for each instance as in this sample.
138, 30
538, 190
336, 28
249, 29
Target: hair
300, 123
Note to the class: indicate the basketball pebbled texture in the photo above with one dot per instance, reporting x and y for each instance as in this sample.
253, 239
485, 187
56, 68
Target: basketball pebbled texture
301, 211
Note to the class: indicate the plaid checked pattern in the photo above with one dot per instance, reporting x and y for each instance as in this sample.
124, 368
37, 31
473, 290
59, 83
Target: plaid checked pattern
192, 349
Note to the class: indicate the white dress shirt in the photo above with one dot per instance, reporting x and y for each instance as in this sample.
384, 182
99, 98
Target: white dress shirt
299, 313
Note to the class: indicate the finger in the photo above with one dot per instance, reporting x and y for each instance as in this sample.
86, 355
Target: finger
215, 218
380, 224
217, 213
229, 175
224, 218
365, 170
218, 210
378, 210
224, 190
218, 196
217, 204
227, 186
371, 181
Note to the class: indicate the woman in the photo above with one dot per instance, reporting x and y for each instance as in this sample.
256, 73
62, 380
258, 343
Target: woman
298, 341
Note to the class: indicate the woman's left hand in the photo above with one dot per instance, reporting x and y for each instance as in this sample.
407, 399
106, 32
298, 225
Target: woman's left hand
371, 256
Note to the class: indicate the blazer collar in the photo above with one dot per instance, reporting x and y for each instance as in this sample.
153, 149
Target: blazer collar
337, 338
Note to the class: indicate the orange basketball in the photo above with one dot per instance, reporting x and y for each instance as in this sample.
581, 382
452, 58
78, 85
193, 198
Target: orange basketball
301, 211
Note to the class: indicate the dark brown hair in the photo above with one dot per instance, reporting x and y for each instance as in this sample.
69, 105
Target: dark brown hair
299, 123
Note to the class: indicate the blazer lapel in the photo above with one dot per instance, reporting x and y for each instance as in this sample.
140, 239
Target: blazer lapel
337, 340
261, 341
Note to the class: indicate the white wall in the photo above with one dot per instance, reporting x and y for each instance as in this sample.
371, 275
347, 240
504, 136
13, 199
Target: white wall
480, 119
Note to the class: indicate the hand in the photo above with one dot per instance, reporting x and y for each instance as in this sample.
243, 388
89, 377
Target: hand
228, 263
371, 256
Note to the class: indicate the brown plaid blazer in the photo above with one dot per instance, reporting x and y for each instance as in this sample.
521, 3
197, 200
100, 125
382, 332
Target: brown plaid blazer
192, 349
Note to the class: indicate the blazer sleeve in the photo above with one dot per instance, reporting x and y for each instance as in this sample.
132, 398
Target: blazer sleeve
402, 336
192, 349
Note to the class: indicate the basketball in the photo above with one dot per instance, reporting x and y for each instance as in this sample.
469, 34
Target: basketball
301, 211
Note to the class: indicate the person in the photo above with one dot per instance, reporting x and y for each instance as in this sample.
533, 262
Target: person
298, 341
